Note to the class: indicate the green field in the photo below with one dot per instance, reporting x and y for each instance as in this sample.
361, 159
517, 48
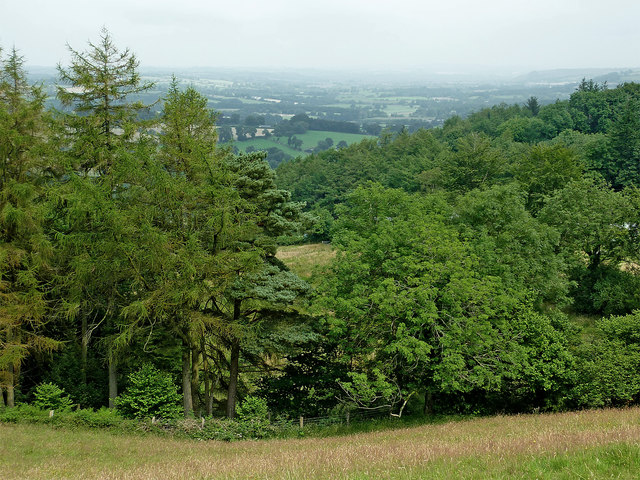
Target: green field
266, 143
309, 141
304, 260
589, 444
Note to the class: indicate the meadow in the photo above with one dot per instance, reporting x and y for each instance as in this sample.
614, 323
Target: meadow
304, 260
577, 445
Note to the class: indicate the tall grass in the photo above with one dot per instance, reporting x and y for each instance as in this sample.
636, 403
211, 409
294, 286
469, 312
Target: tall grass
305, 259
589, 444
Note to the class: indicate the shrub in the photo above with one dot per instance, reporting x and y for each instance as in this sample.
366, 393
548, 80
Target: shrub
253, 418
48, 396
151, 393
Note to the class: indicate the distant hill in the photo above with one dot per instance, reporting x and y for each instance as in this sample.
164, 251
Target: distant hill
573, 75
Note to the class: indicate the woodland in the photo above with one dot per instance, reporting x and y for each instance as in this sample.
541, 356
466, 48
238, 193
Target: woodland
489, 265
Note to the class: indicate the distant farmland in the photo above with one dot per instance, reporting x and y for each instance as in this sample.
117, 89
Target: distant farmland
309, 141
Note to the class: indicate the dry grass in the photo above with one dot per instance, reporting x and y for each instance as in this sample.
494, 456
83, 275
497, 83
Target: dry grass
304, 259
594, 444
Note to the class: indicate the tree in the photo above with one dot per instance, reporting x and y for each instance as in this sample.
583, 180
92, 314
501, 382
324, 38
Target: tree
512, 244
543, 169
412, 311
533, 106
597, 229
623, 169
188, 208
103, 147
150, 393
474, 163
100, 82
25, 250
262, 293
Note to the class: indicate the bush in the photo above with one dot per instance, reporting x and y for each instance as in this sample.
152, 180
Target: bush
151, 393
48, 396
102, 418
253, 418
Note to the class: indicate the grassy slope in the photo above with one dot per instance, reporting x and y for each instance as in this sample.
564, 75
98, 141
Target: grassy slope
589, 444
304, 259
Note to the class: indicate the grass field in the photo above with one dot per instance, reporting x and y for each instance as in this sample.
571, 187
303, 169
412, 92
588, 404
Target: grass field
590, 444
266, 143
304, 259
309, 140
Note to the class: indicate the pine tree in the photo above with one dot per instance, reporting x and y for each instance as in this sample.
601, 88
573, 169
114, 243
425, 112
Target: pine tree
190, 204
263, 291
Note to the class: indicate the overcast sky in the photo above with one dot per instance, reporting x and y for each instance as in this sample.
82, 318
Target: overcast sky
342, 34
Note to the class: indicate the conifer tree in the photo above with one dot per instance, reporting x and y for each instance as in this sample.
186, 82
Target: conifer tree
189, 207
25, 250
263, 291
97, 89
103, 149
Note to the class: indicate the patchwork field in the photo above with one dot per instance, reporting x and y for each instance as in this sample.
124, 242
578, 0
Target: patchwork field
590, 444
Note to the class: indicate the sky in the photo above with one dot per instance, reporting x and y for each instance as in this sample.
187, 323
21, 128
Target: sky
334, 34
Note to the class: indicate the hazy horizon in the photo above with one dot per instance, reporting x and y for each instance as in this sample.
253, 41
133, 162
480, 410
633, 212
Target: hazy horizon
347, 35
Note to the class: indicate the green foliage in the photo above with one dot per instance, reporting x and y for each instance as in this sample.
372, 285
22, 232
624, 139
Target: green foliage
543, 169
100, 83
450, 273
512, 244
49, 396
150, 393
253, 418
606, 375
26, 252
413, 310
616, 291
253, 409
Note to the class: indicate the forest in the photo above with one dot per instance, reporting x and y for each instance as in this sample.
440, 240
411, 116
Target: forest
489, 265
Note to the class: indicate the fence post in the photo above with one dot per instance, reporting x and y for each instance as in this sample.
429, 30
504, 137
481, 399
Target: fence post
348, 415
301, 421
202, 422
153, 420
50, 413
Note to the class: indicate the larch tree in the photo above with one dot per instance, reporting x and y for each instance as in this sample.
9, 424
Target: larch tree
104, 146
25, 250
97, 89
190, 206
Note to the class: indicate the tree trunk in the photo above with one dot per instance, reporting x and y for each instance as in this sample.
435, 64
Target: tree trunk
113, 383
207, 379
233, 379
11, 402
187, 402
428, 403
210, 399
1, 397
195, 380
232, 391
84, 347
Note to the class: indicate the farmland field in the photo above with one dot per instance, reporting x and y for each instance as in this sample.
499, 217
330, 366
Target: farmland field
309, 140
589, 444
